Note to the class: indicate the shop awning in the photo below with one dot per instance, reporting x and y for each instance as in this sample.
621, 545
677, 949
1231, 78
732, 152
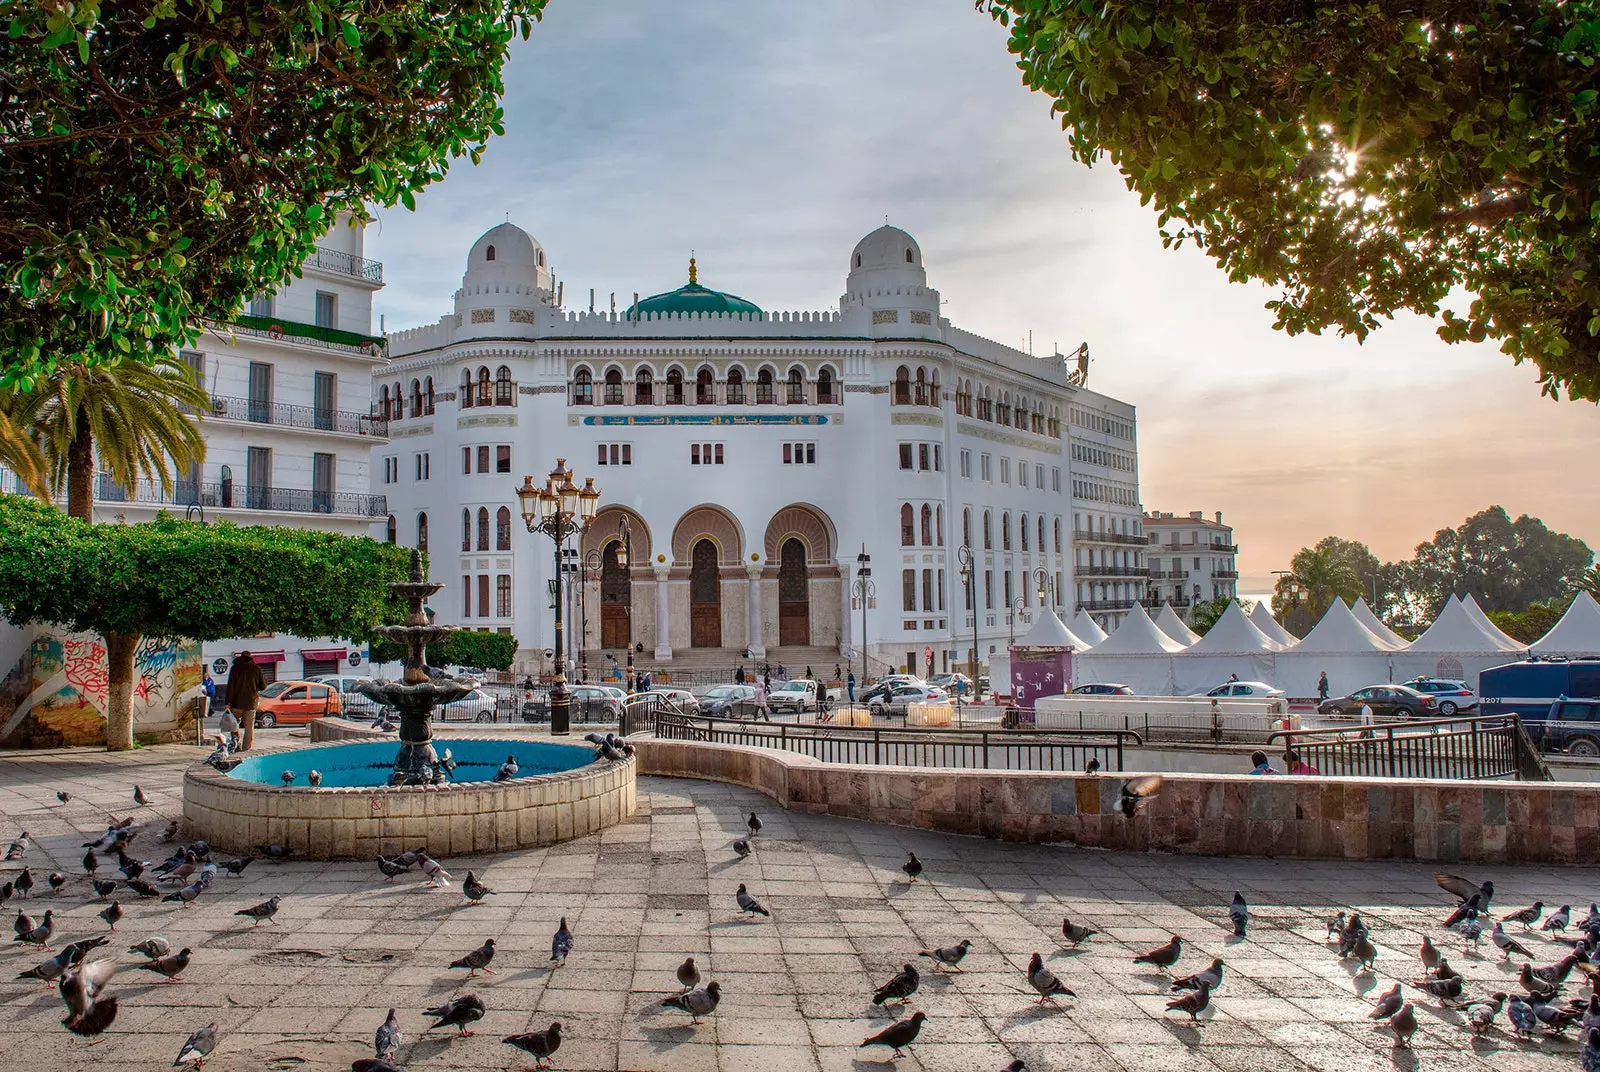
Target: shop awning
263, 656
322, 655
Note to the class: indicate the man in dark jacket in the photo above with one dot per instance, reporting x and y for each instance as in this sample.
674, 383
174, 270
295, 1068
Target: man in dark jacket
245, 682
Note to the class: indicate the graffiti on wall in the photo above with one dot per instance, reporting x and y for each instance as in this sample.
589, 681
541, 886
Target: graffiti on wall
66, 703
85, 668
153, 661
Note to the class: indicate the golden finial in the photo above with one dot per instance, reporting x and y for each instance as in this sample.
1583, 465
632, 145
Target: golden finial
693, 274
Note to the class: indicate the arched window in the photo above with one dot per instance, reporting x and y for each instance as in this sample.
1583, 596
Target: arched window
644, 388
427, 396
1022, 531
674, 387
825, 386
908, 526
921, 394
988, 531
483, 528
933, 388
422, 532
902, 386
399, 402
583, 388
765, 393
541, 258
735, 387
797, 387
466, 389
1005, 530
502, 529
938, 525
383, 401
466, 529
1041, 532
485, 388
390, 531
613, 387
416, 398
966, 527
908, 257
505, 392
927, 525
705, 387
858, 260
488, 254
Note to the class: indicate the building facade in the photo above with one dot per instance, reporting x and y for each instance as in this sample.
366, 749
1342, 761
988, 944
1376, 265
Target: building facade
1191, 559
747, 459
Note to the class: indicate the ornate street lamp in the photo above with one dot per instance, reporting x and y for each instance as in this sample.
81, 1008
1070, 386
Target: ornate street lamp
865, 592
969, 574
560, 510
1047, 587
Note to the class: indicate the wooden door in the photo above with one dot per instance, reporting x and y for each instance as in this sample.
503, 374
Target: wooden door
705, 625
616, 598
794, 603
614, 626
705, 597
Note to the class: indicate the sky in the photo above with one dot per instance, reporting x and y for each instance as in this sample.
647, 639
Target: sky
768, 138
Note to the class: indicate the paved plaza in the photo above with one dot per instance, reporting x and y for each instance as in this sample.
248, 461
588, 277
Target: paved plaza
796, 988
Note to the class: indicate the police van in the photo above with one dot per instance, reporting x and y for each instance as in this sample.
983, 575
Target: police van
1557, 699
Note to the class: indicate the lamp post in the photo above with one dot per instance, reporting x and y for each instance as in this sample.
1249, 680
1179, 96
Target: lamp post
1011, 617
865, 592
969, 574
1047, 586
560, 510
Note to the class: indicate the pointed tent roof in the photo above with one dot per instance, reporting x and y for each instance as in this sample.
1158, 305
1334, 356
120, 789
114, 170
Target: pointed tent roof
1578, 631
1483, 621
1234, 634
1172, 625
1087, 628
1340, 633
1366, 617
1137, 635
1050, 631
1264, 621
1455, 631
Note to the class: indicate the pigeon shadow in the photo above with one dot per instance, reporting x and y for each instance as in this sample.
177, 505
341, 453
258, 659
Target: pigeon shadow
1032, 1014
1185, 1032
542, 970
1069, 951
666, 1038
1364, 983
429, 1046
734, 924
867, 1062
1405, 1059
1155, 977
1234, 939
725, 865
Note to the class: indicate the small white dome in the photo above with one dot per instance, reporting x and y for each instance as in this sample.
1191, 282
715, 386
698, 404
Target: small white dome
503, 247
887, 247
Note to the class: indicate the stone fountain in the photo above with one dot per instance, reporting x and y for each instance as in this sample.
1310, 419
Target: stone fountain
417, 693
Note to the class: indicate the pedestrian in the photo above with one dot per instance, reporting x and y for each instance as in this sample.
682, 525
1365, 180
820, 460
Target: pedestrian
1216, 722
782, 674
209, 684
766, 678
1295, 765
808, 673
1322, 686
1259, 760
245, 682
822, 702
1367, 721
646, 681
761, 701
738, 674
838, 672
1233, 677
850, 686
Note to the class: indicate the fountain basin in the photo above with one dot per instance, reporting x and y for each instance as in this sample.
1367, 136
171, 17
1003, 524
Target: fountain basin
560, 793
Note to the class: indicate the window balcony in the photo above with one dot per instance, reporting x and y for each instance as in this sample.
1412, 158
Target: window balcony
1226, 548
1111, 571
283, 415
269, 327
1087, 536
232, 495
1226, 575
1106, 604
333, 260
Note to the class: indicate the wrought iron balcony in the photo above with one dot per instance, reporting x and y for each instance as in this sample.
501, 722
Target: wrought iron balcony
1088, 536
231, 495
1107, 604
1228, 548
333, 260
284, 415
1111, 571
1226, 575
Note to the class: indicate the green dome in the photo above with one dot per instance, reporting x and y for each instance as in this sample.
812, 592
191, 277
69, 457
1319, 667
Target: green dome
693, 298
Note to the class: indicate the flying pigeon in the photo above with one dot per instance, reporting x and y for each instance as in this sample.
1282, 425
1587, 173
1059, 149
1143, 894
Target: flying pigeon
152, 948
1137, 793
477, 960
1239, 912
540, 1044
899, 988
474, 890
387, 1039
1388, 1004
898, 1035
912, 867
1210, 978
88, 1014
170, 966
949, 956
748, 904
1163, 956
1044, 981
1465, 890
139, 798
1525, 916
688, 975
1193, 1003
1556, 922
698, 1002
199, 1046
753, 824
111, 913
1076, 933
561, 943
1404, 1024
263, 911
457, 1013
508, 769
1472, 905
742, 847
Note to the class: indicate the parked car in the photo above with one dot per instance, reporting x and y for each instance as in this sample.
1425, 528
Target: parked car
1452, 694
899, 702
730, 701
1102, 690
594, 703
296, 703
475, 706
1392, 701
797, 695
682, 699
618, 693
356, 705
947, 682
1571, 726
1258, 689
1529, 687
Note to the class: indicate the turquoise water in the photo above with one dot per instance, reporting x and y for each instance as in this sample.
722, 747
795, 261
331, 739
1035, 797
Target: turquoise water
351, 765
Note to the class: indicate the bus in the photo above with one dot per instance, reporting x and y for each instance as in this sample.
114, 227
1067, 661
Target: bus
1528, 688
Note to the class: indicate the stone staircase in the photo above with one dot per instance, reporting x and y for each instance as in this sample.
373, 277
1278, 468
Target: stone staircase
717, 664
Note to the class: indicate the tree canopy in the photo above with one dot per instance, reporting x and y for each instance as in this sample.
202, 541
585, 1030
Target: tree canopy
464, 647
1365, 158
1330, 570
159, 162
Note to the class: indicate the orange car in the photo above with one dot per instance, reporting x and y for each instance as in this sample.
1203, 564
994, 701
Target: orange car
296, 703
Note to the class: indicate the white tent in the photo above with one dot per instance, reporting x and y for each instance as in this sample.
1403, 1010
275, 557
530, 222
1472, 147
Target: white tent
1454, 646
1233, 645
1088, 629
1138, 655
1488, 626
1172, 625
1365, 616
1577, 633
1050, 631
1352, 656
1261, 615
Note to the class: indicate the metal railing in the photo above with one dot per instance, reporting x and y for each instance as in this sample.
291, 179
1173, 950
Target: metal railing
1113, 571
229, 495
1450, 748
333, 260
1107, 604
1002, 749
1090, 536
284, 415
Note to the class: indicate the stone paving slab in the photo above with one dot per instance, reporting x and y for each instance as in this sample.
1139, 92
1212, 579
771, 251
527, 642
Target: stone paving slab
308, 993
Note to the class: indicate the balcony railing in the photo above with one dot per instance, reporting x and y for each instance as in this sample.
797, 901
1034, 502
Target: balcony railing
333, 339
1112, 571
284, 415
1107, 604
1154, 602
230, 495
1227, 548
1169, 575
333, 260
1088, 536
1226, 575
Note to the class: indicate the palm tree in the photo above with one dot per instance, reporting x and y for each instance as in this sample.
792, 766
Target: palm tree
1589, 581
139, 418
1321, 577
18, 451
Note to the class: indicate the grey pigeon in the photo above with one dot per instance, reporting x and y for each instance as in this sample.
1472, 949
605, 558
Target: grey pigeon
508, 770
49, 971
91, 862
1507, 944
1210, 978
314, 779
477, 960
899, 988
40, 935
433, 870
1525, 916
1137, 793
898, 1035
111, 913
912, 867
949, 956
561, 943
447, 762
474, 890
1470, 929
152, 948
236, 867
76, 951
699, 1002
753, 824
742, 847
103, 887
1520, 1013
540, 1044
143, 888
1538, 988
391, 868
1404, 1024
1239, 913
1446, 990
275, 852
1480, 1014
457, 1013
387, 1039
199, 1046
170, 966
748, 904
188, 894
1044, 981
1555, 1018
1193, 1003
24, 882
88, 1013
1557, 973
139, 798
1557, 921
18, 848
1591, 1051
1388, 1004
1075, 933
288, 777
1163, 957
688, 975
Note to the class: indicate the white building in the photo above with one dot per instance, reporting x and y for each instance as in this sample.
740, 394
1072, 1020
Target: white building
1191, 558
752, 455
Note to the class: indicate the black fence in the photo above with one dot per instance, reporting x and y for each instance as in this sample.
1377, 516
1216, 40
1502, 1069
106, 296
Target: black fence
999, 749
1450, 748
284, 415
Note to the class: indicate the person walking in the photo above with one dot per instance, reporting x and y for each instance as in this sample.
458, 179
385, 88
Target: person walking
822, 702
850, 686
245, 682
738, 674
766, 678
761, 701
808, 673
1322, 686
209, 684
1367, 721
782, 673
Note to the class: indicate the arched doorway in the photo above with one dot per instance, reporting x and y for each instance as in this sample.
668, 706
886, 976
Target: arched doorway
705, 597
616, 598
794, 597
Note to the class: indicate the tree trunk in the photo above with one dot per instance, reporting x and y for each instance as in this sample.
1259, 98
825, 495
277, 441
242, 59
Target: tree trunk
80, 475
119, 690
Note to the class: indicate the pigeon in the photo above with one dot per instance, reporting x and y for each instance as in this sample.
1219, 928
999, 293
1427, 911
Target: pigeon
457, 1013
948, 956
288, 777
199, 1046
1555, 1018
1193, 1004
139, 798
742, 847
314, 779
1429, 954
1480, 1014
171, 831
152, 948
508, 770
188, 893
1525, 916
6, 890
1044, 981
898, 1035
1354, 930
1445, 971
912, 867
1404, 1024
1465, 890
540, 1044
1211, 977
235, 867
1556, 922
130, 868
1591, 1016
91, 862
410, 857
1365, 953
1557, 973
1388, 1004
40, 935
87, 1013
474, 890
63, 796
83, 947
1591, 1051
561, 943
274, 852
477, 960
753, 824
49, 971
433, 870
1163, 956
899, 988
391, 868
23, 883
1592, 920
56, 880
1136, 794
1537, 988
1335, 925
1076, 933
373, 1064
171, 965
1472, 905
1446, 990
699, 1002
143, 888
18, 848
1471, 929
1092, 767
103, 887
748, 904
111, 913
447, 762
1239, 912
1520, 1013
22, 924
387, 1039
688, 975
1507, 944
1015, 1066
263, 911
